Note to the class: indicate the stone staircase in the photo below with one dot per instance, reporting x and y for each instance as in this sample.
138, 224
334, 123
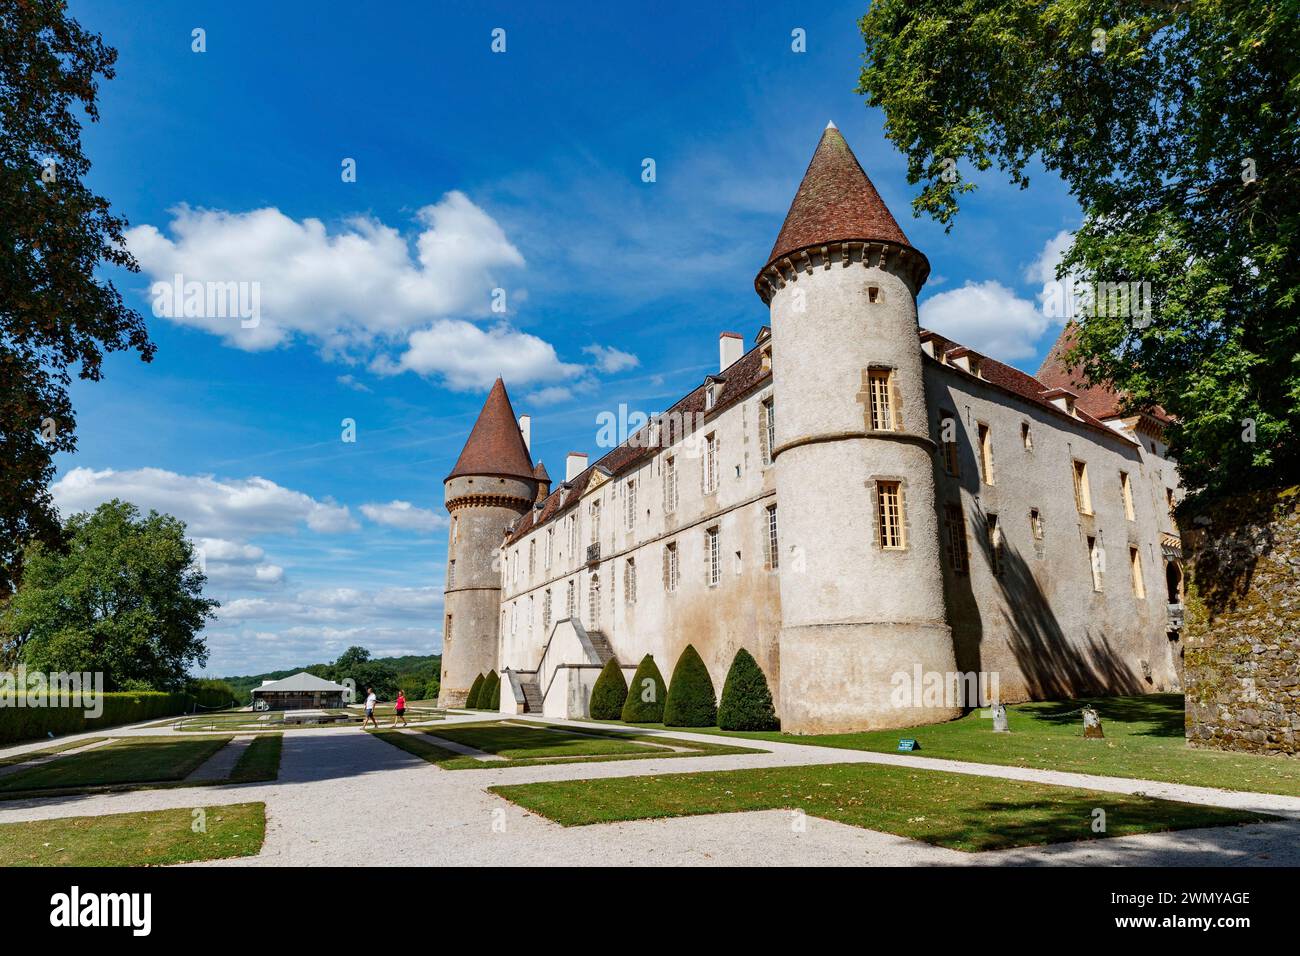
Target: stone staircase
601, 645
532, 697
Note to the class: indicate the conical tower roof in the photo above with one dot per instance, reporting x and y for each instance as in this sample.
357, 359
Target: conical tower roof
835, 202
495, 445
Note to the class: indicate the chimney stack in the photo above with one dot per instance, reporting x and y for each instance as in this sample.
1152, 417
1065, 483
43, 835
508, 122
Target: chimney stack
574, 465
526, 429
730, 348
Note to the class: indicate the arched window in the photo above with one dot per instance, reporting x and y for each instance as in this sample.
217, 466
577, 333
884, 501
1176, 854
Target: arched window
1174, 582
593, 603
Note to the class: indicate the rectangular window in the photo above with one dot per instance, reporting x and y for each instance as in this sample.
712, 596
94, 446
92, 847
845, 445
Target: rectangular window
546, 612
889, 514
985, 441
573, 537
532, 556
1126, 492
1135, 564
446, 633
451, 574
882, 407
948, 439
1096, 560
571, 600
550, 547
713, 556
629, 581
958, 555
1082, 496
1026, 436
995, 544
670, 567
629, 501
594, 512
710, 464
1036, 524
767, 428
670, 484
773, 548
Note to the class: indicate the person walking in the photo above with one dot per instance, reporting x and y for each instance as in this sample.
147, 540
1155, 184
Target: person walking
400, 707
370, 709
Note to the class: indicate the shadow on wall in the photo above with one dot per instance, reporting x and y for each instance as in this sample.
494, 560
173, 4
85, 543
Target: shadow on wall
1052, 663
1226, 548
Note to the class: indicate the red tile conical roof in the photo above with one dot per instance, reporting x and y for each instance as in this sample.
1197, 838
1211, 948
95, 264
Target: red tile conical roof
495, 445
836, 201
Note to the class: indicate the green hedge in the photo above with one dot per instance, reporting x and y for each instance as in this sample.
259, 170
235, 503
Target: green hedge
489, 698
31, 723
691, 700
474, 690
645, 696
609, 692
746, 699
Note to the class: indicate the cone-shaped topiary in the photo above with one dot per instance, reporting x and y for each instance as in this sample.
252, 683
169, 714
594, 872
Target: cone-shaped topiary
691, 701
471, 700
645, 696
609, 693
746, 700
489, 698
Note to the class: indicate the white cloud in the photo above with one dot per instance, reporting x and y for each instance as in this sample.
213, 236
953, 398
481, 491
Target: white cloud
551, 395
338, 289
404, 515
1056, 298
611, 360
987, 317
212, 508
469, 358
350, 381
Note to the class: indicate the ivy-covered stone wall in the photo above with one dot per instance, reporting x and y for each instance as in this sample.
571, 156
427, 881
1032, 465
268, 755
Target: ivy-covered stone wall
1242, 630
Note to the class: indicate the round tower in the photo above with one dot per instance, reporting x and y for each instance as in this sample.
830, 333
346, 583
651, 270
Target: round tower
490, 487
862, 600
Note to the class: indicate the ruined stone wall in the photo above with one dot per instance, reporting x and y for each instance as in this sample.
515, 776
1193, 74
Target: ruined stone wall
1242, 632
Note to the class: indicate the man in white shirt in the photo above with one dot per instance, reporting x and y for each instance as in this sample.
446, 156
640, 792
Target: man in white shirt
370, 709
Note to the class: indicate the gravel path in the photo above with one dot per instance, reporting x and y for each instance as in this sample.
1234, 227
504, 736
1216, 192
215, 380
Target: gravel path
345, 797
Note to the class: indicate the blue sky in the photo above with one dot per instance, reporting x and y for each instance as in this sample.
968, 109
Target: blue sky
475, 171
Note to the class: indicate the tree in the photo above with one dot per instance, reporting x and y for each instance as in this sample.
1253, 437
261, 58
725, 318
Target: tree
125, 599
746, 699
55, 233
609, 693
471, 700
691, 700
489, 695
1173, 124
646, 693
356, 665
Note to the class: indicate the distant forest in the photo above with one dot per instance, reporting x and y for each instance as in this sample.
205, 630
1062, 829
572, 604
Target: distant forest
416, 675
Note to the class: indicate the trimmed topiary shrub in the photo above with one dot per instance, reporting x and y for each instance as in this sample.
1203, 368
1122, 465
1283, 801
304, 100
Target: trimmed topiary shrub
746, 699
489, 698
691, 701
645, 696
471, 702
609, 693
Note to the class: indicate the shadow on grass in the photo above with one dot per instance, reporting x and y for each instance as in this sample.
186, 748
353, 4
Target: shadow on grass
1163, 712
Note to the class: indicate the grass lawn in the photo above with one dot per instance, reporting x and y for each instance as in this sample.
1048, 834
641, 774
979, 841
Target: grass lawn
129, 760
1144, 739
260, 761
235, 722
135, 839
48, 751
957, 811
525, 745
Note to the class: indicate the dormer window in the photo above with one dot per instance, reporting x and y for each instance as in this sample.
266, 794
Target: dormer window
712, 391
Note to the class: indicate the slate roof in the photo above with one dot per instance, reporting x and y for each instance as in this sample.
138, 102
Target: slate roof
495, 445
300, 683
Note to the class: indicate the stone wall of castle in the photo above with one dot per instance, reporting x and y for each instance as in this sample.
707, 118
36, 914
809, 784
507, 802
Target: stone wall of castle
1036, 617
1242, 659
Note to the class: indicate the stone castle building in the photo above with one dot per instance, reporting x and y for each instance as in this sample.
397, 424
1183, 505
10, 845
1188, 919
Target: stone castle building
868, 508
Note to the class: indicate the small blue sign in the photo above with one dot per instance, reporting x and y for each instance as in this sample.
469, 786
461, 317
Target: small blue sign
908, 743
